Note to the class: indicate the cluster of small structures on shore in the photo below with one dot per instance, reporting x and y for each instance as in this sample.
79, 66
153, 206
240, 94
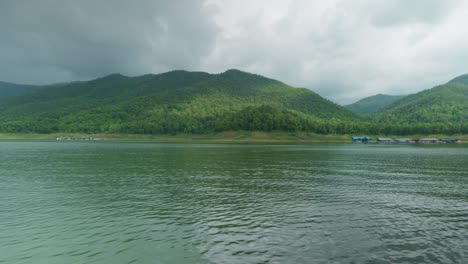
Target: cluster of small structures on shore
366, 139
79, 138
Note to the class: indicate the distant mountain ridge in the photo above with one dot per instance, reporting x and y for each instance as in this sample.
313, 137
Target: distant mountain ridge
172, 102
373, 103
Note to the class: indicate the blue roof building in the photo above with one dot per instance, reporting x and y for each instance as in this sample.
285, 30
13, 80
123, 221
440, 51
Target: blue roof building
361, 139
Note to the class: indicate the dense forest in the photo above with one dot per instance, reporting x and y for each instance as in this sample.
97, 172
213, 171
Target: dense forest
197, 102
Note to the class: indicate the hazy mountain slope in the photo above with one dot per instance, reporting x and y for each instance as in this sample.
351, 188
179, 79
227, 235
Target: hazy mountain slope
176, 101
12, 89
374, 103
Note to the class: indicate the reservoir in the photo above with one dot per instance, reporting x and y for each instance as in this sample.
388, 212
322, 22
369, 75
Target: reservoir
146, 202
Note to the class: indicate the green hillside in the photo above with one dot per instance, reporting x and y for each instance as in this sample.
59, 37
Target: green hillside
446, 103
172, 102
374, 103
12, 89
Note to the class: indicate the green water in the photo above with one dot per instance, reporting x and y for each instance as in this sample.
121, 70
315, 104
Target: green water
105, 202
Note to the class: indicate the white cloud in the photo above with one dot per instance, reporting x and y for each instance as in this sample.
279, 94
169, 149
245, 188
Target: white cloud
345, 50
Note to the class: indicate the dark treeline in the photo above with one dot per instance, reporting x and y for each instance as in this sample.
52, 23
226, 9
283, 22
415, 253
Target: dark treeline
171, 120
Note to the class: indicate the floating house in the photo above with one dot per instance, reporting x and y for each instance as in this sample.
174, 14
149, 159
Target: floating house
64, 138
361, 139
429, 140
382, 140
449, 140
406, 140
385, 140
78, 138
402, 140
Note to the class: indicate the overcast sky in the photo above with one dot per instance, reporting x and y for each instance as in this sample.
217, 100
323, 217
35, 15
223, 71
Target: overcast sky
342, 49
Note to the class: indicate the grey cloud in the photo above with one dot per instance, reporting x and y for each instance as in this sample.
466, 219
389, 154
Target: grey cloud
397, 12
51, 40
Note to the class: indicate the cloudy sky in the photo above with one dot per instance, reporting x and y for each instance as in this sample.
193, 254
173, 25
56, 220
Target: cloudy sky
342, 49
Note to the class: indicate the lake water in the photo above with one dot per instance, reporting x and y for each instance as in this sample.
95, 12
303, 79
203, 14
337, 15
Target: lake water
108, 202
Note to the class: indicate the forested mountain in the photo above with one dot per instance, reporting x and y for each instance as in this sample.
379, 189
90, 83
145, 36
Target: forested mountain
373, 103
446, 103
172, 102
198, 102
12, 89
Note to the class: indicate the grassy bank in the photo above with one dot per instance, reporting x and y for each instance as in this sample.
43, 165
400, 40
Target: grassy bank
229, 136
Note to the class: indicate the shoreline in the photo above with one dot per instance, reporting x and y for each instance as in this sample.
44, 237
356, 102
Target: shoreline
219, 137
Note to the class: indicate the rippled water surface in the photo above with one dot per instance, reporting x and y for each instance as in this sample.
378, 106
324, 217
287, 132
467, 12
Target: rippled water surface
105, 202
